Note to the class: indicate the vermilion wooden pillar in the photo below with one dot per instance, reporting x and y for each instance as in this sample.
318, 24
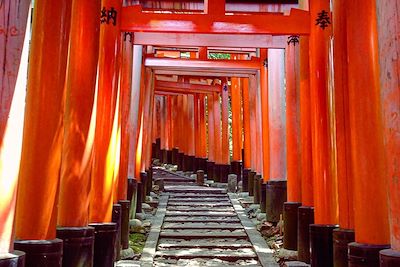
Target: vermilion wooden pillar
367, 143
217, 128
125, 107
202, 125
14, 57
103, 167
293, 123
253, 122
170, 141
246, 125
325, 187
236, 119
36, 212
134, 118
190, 125
277, 125
197, 133
211, 136
343, 147
265, 114
389, 79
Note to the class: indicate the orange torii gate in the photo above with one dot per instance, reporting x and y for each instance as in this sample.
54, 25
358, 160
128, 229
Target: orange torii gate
360, 142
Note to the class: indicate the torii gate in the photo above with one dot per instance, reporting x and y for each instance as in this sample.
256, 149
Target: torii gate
44, 145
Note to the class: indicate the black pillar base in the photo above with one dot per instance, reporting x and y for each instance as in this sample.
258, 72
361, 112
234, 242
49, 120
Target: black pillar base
158, 149
210, 170
125, 205
139, 197
132, 188
196, 163
191, 163
305, 218
149, 181
245, 180
389, 258
16, 259
263, 194
153, 150
185, 163
180, 160
276, 195
224, 172
174, 156
217, 173
203, 164
41, 253
236, 168
290, 211
256, 189
251, 182
104, 244
169, 156
116, 218
321, 244
143, 180
341, 239
163, 156
78, 245
364, 254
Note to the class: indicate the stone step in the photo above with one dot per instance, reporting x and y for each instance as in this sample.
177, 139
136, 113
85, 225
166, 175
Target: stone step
201, 213
211, 200
192, 209
248, 262
193, 189
202, 226
197, 196
202, 233
231, 254
200, 204
202, 219
175, 179
212, 243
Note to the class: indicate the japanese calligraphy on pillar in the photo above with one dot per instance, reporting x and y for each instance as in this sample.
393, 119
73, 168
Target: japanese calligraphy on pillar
323, 19
108, 16
293, 39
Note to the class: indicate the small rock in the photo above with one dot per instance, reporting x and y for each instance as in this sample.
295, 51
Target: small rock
146, 206
149, 199
254, 206
287, 254
295, 264
140, 216
261, 216
135, 222
127, 254
146, 223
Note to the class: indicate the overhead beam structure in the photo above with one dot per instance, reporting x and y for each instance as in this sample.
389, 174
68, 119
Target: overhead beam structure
133, 19
210, 40
186, 88
209, 68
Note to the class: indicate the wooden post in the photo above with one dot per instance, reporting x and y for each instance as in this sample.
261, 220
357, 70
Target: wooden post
389, 80
44, 106
103, 167
224, 124
14, 16
80, 112
277, 124
217, 128
246, 125
254, 149
293, 123
36, 211
203, 129
367, 135
265, 114
236, 119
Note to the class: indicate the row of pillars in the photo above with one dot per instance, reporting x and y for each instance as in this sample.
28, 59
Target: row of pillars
342, 153
66, 199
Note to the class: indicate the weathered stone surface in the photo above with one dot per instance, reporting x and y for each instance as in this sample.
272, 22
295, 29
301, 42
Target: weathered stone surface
232, 183
127, 254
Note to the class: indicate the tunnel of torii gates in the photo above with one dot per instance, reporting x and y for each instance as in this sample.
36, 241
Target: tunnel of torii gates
313, 92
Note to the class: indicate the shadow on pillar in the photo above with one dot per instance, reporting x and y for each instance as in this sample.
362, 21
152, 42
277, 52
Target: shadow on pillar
15, 259
105, 235
389, 258
321, 244
116, 218
341, 239
41, 253
305, 218
290, 219
276, 192
364, 255
78, 245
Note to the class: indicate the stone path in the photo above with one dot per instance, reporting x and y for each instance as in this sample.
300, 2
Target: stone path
202, 226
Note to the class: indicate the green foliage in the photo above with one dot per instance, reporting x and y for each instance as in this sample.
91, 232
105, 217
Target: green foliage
219, 56
137, 241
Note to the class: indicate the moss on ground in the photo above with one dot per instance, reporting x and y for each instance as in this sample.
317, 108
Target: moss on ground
137, 241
